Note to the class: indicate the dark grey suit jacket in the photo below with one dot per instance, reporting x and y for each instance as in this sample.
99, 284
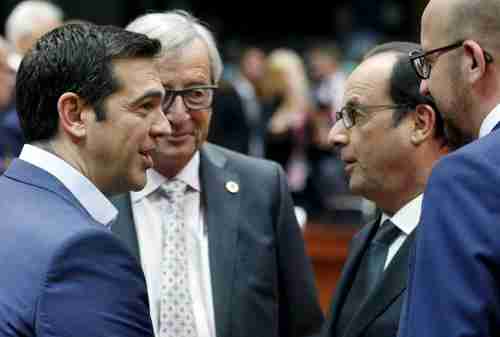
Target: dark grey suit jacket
262, 280
379, 315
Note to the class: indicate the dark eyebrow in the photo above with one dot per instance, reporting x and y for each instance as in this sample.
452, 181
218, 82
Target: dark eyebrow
152, 93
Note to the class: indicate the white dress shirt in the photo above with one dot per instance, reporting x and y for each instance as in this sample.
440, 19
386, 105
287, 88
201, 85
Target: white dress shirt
490, 121
148, 225
406, 219
93, 200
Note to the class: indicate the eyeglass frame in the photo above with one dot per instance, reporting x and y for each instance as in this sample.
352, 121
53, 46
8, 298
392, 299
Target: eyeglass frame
182, 92
350, 121
418, 55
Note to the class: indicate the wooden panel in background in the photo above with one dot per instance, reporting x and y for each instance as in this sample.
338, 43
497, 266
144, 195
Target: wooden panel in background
327, 246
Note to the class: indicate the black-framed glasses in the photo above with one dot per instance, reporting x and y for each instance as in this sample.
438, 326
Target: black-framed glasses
349, 114
420, 60
194, 98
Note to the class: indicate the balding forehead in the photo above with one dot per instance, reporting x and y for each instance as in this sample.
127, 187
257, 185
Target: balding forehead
371, 77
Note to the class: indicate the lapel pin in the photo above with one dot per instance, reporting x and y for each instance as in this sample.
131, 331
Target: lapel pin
232, 187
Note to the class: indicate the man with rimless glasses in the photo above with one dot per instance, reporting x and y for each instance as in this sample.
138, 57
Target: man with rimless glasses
454, 281
215, 230
389, 137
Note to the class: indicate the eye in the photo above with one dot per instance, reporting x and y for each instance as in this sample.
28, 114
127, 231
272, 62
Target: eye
148, 106
196, 94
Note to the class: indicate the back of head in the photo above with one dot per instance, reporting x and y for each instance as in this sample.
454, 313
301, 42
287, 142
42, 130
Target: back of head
75, 58
29, 20
474, 19
176, 29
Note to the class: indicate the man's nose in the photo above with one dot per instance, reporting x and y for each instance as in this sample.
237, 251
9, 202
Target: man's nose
338, 135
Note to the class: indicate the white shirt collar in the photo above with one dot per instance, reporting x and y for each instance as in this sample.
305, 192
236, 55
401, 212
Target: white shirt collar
490, 121
93, 200
407, 218
189, 174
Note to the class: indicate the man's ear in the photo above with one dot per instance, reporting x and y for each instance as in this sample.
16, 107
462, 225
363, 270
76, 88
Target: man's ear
424, 118
72, 119
474, 61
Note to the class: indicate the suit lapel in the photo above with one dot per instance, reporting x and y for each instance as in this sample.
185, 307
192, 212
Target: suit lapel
27, 173
221, 209
124, 227
392, 286
358, 246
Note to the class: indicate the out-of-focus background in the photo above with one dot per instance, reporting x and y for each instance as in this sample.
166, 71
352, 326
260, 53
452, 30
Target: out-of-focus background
285, 67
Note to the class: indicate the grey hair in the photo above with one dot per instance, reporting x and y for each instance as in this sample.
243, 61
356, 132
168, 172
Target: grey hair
175, 29
25, 17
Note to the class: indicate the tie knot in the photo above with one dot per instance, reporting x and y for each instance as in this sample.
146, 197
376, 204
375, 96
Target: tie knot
387, 233
173, 189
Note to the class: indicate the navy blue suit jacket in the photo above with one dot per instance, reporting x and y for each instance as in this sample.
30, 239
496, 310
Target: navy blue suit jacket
454, 284
63, 274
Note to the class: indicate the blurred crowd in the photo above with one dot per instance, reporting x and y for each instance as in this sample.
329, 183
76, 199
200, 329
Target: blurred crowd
278, 103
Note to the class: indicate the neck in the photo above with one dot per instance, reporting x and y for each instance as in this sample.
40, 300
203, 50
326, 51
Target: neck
69, 153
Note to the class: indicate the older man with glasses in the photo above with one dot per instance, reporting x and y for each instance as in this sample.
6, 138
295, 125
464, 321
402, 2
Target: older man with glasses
454, 283
215, 230
389, 137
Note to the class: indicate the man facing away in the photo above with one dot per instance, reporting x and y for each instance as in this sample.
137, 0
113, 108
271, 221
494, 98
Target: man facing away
89, 101
389, 136
235, 246
454, 283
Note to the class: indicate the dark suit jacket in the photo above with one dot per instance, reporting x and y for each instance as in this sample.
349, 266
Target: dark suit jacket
454, 285
379, 315
262, 280
63, 274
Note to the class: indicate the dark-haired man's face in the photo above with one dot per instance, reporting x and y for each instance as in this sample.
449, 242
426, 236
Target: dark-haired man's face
120, 146
374, 150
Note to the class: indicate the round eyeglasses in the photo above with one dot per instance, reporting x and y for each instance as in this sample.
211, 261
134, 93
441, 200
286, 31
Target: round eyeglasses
349, 114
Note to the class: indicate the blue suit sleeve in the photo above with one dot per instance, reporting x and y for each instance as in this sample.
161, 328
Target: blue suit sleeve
94, 288
455, 272
299, 311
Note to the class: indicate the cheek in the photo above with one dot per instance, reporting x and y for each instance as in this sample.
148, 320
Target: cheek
202, 120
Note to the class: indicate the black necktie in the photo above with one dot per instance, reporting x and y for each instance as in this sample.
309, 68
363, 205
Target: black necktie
369, 273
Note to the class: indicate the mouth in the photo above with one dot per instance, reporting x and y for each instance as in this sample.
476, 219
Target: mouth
349, 166
147, 157
179, 137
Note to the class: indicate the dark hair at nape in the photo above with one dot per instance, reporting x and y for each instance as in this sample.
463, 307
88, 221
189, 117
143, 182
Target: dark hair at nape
404, 85
74, 58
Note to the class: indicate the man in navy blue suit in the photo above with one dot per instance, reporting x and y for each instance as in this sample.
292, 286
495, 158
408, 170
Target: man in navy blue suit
89, 102
454, 283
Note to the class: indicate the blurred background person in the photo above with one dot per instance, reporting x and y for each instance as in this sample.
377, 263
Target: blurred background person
238, 123
28, 21
286, 91
252, 62
327, 184
11, 138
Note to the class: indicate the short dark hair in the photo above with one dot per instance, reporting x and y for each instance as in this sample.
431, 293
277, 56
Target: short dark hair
74, 58
404, 86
